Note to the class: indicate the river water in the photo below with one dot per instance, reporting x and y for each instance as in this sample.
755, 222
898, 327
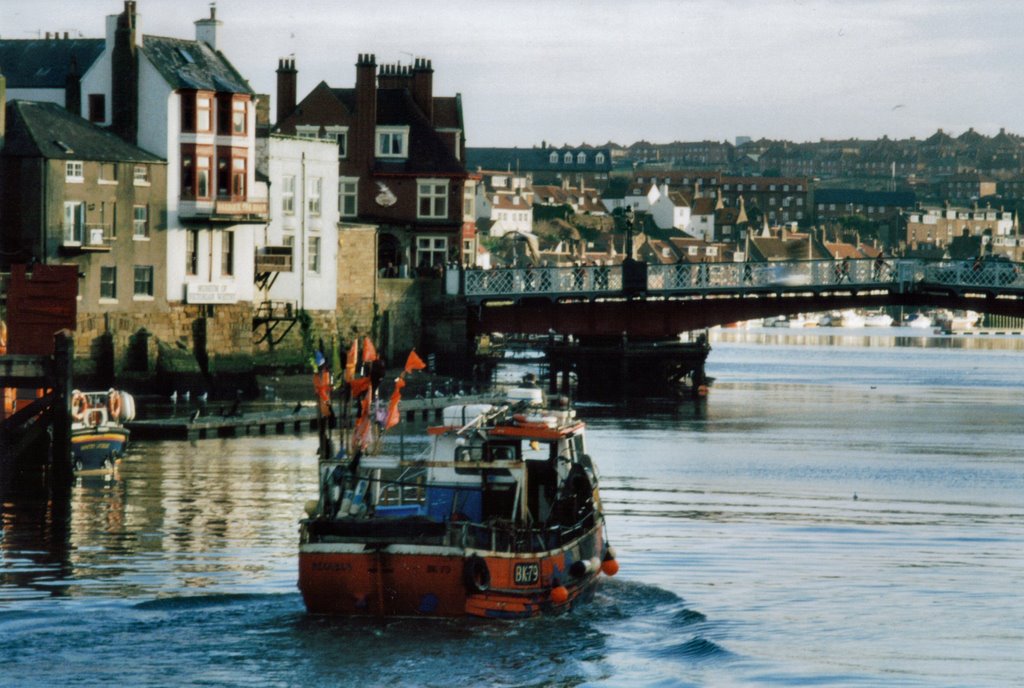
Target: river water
843, 510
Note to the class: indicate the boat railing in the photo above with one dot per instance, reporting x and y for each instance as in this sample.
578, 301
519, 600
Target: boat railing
508, 537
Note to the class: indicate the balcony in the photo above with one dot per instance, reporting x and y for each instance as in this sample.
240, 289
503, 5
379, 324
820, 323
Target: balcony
86, 238
271, 260
224, 210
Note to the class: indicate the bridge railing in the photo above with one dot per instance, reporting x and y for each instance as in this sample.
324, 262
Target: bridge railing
901, 275
584, 279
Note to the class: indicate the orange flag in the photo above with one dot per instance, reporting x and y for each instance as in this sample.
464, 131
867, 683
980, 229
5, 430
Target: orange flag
359, 385
393, 417
369, 353
414, 362
350, 361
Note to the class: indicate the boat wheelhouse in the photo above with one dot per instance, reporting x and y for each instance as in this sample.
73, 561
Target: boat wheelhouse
98, 437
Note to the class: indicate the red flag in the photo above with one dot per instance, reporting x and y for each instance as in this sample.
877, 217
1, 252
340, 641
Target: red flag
414, 362
369, 353
393, 417
359, 385
350, 361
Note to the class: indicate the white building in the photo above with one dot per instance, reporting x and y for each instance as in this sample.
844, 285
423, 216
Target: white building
510, 214
183, 101
670, 209
304, 195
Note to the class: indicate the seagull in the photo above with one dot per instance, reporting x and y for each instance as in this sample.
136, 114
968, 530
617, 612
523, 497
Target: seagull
897, 107
174, 397
855, 496
203, 397
186, 395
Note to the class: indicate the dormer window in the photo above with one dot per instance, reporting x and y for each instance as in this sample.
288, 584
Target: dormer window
392, 142
307, 131
581, 159
599, 158
339, 134
568, 158
553, 158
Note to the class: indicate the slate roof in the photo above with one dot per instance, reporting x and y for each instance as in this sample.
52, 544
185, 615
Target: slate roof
48, 130
188, 64
536, 159
42, 63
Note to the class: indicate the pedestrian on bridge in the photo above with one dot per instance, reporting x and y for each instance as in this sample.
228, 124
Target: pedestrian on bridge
880, 267
842, 270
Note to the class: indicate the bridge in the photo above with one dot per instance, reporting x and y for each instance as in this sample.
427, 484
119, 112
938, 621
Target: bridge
645, 301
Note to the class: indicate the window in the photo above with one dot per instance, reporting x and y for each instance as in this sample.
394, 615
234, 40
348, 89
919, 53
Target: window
238, 117
203, 177
432, 197
97, 107
313, 197
227, 254
581, 159
468, 202
108, 221
339, 134
188, 112
108, 172
144, 280
599, 159
223, 176
431, 251
204, 105
348, 197
393, 142
108, 282
74, 171
313, 254
140, 222
141, 174
553, 158
568, 158
188, 176
74, 222
192, 252
238, 177
288, 194
307, 131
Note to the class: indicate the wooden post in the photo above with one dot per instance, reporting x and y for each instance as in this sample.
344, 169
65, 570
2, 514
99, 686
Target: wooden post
63, 353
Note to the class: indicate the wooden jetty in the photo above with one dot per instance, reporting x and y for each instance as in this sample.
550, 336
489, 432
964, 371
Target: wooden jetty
274, 420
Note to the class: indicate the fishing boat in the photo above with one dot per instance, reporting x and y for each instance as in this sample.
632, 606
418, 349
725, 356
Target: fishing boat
918, 320
98, 436
499, 517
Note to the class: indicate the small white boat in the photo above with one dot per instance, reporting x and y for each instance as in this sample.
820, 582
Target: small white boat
917, 320
952, 321
848, 318
877, 320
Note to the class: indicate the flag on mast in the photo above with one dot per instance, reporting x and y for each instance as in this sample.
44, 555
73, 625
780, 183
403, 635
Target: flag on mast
414, 362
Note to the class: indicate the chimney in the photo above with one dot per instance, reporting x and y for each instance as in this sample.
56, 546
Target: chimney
423, 87
366, 109
206, 29
124, 65
287, 88
73, 89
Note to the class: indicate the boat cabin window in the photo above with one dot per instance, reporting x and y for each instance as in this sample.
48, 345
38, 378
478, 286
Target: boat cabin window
470, 453
503, 452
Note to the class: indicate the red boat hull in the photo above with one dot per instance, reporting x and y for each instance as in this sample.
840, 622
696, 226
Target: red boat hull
349, 579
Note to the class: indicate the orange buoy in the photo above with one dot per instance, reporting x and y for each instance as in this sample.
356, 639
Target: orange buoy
559, 594
610, 567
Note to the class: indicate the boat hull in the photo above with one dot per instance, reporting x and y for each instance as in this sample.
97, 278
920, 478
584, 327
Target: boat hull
402, 580
97, 448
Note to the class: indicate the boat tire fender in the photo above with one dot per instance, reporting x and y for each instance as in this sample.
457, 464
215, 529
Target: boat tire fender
476, 575
79, 404
114, 403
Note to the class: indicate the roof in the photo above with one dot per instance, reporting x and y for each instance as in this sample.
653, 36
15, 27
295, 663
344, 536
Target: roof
538, 159
428, 152
900, 199
44, 63
188, 64
48, 130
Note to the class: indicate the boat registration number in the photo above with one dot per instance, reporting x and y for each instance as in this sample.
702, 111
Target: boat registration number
527, 574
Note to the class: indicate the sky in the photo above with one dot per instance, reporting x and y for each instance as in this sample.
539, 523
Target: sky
594, 71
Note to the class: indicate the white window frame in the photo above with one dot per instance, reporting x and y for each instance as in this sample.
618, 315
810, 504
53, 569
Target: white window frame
144, 295
288, 194
340, 136
432, 246
140, 225
140, 175
599, 159
581, 158
553, 158
567, 158
348, 193
313, 254
108, 270
392, 142
74, 171
435, 193
74, 223
313, 196
307, 131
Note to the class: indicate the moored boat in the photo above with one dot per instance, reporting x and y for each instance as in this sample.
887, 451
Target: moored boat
918, 320
98, 436
500, 517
